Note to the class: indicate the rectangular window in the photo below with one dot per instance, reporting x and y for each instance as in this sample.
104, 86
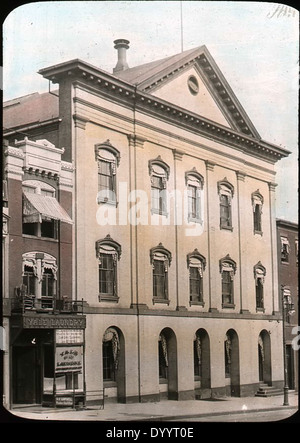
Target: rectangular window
160, 280
29, 280
108, 362
259, 294
107, 275
225, 212
195, 285
257, 218
48, 289
194, 203
285, 250
106, 181
227, 288
158, 196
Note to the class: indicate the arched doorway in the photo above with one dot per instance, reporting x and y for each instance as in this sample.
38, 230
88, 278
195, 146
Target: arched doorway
264, 358
232, 363
167, 364
113, 359
202, 378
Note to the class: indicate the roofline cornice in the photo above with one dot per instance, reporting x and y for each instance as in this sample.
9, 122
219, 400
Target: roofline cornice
119, 90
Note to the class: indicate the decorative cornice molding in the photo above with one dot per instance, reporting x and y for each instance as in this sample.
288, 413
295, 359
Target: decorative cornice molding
14, 152
241, 175
128, 95
272, 186
177, 154
80, 121
136, 140
209, 165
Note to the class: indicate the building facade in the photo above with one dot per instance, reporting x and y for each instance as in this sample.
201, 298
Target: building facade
42, 324
174, 234
287, 244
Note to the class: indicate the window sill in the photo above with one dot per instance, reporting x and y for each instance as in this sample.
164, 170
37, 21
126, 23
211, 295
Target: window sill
260, 309
158, 212
258, 232
196, 303
226, 228
109, 384
163, 381
228, 305
106, 200
161, 300
109, 298
40, 238
195, 220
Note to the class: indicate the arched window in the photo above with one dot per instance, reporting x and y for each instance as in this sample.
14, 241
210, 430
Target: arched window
108, 253
259, 275
159, 173
108, 158
39, 280
225, 191
162, 357
196, 265
194, 182
227, 269
160, 259
257, 204
110, 354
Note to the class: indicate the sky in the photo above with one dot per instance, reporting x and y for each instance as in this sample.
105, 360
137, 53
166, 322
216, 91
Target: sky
255, 44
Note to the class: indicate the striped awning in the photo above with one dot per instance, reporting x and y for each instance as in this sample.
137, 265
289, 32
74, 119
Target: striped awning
38, 207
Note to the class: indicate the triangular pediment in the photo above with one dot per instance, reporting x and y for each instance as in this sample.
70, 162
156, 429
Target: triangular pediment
188, 91
193, 81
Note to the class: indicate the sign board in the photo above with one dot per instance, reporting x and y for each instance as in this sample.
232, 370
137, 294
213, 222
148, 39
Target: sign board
54, 322
68, 359
69, 336
64, 401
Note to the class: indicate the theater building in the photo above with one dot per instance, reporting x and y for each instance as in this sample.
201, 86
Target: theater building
174, 247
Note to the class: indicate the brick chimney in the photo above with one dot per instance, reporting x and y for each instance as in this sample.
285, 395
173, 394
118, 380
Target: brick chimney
121, 45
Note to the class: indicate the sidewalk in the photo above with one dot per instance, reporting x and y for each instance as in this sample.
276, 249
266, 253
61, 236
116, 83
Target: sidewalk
163, 410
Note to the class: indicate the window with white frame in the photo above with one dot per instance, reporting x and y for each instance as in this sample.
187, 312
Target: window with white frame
257, 205
285, 249
259, 275
108, 253
160, 259
194, 182
39, 280
196, 265
227, 270
159, 174
226, 192
108, 159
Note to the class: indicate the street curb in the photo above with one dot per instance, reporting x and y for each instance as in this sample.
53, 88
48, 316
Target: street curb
215, 414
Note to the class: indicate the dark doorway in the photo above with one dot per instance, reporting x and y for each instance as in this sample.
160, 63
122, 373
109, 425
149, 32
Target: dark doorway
290, 367
26, 388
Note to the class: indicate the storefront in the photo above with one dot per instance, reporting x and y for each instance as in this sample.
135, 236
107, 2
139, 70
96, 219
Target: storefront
48, 363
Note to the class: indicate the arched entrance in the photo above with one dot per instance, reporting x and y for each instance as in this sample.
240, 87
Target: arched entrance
167, 363
202, 376
113, 358
264, 358
232, 363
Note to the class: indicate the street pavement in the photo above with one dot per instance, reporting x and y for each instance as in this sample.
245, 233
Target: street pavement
220, 409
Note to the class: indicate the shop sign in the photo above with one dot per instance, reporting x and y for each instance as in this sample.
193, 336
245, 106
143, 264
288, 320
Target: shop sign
54, 322
68, 359
64, 401
70, 336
